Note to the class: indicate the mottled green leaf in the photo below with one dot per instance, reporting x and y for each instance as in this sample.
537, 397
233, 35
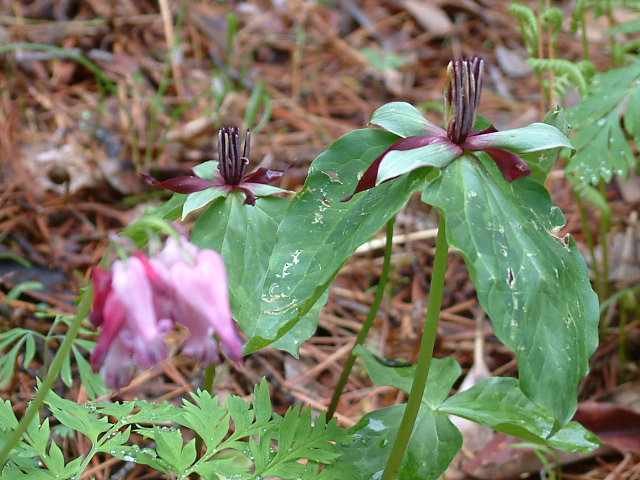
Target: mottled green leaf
245, 235
433, 444
533, 284
442, 374
499, 403
318, 233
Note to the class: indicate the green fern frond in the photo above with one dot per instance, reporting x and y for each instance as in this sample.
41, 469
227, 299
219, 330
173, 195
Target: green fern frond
553, 18
561, 66
605, 121
528, 26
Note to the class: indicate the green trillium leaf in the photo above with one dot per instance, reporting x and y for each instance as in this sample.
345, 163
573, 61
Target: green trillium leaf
532, 138
433, 444
199, 199
499, 403
245, 236
442, 375
542, 162
533, 284
264, 190
399, 162
404, 120
573, 437
318, 233
207, 170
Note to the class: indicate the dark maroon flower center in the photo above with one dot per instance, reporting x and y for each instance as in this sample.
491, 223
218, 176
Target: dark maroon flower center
462, 97
231, 164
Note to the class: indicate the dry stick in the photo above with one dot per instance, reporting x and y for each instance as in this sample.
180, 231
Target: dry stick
366, 326
408, 421
169, 33
52, 375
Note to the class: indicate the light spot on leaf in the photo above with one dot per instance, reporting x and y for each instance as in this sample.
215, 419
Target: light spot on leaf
376, 425
294, 261
333, 176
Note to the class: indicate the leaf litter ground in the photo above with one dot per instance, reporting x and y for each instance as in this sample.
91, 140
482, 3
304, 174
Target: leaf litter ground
73, 140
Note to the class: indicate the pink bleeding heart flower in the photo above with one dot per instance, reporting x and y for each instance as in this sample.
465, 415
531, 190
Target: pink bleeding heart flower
141, 299
198, 281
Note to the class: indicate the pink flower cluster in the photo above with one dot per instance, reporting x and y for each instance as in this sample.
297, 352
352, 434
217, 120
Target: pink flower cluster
141, 299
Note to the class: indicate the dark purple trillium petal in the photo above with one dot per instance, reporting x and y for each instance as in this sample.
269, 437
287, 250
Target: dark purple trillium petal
264, 176
370, 175
186, 184
249, 196
511, 165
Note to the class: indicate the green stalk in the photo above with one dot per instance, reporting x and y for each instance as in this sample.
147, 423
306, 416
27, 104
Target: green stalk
605, 227
52, 375
426, 353
588, 235
366, 326
583, 30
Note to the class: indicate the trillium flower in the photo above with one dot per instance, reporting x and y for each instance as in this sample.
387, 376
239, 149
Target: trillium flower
141, 299
215, 179
425, 144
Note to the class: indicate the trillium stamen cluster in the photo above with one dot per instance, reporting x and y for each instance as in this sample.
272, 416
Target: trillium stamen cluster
142, 299
227, 174
462, 97
232, 166
434, 146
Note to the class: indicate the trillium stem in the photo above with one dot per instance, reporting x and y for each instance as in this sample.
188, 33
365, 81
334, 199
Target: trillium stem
424, 361
366, 326
52, 375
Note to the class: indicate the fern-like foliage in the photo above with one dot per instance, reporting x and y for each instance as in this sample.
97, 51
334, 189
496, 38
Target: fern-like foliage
528, 27
18, 347
576, 73
243, 440
605, 122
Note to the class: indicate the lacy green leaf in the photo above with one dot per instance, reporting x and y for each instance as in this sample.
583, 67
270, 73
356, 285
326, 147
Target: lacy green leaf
171, 448
206, 417
604, 122
78, 417
7, 417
